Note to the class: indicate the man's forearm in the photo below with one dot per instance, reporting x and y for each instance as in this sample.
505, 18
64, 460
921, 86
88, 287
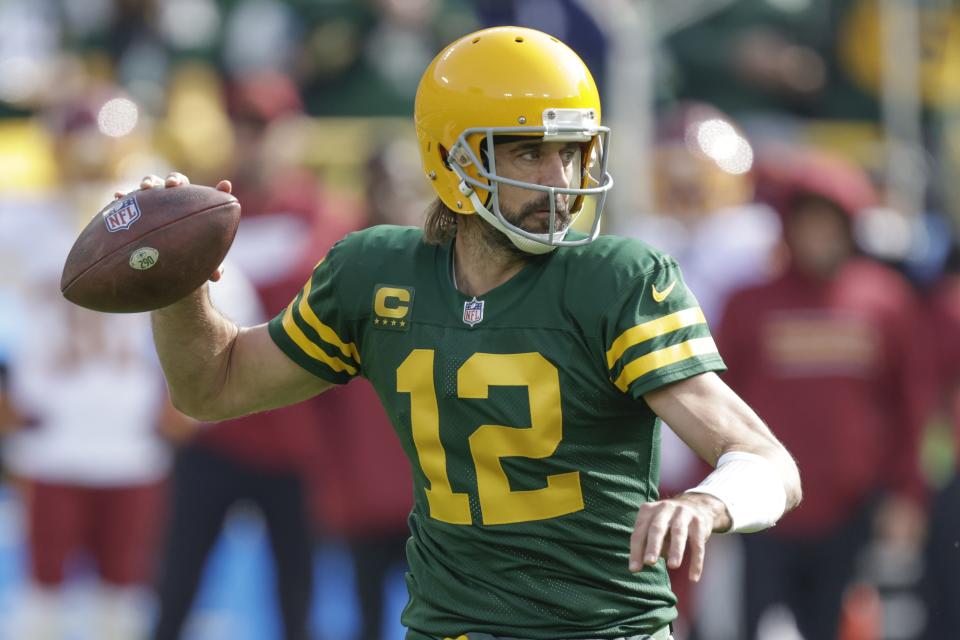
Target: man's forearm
193, 342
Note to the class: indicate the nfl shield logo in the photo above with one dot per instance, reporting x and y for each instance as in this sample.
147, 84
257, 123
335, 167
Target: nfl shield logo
121, 215
473, 311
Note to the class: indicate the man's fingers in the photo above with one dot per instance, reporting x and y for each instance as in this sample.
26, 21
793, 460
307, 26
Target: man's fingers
678, 538
656, 534
175, 179
698, 535
638, 539
151, 182
669, 529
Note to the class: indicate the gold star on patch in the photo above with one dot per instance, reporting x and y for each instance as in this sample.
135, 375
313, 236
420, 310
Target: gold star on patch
393, 323
403, 323
376, 321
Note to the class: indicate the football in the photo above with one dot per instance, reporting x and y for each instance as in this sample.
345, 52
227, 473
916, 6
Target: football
150, 248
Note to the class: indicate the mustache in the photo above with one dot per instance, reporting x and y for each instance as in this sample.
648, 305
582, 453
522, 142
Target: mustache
543, 204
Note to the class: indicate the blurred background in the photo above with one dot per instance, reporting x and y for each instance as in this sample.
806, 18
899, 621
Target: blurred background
800, 158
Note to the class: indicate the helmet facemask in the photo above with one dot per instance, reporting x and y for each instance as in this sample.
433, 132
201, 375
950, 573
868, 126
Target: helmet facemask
467, 157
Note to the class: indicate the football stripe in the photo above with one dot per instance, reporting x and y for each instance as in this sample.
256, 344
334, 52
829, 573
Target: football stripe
651, 329
308, 347
664, 357
326, 333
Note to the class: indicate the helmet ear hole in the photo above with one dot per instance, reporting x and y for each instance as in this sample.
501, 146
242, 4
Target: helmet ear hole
444, 157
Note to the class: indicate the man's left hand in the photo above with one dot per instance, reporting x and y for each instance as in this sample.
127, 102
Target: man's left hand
666, 528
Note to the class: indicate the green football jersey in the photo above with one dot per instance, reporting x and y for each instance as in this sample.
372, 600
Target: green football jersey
522, 414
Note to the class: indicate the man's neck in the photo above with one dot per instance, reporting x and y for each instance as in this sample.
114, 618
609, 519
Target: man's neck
481, 260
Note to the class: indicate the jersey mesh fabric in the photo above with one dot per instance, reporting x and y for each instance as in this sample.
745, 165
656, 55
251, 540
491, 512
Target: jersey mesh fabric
563, 354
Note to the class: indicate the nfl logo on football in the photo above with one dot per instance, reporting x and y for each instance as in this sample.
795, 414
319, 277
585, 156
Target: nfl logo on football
473, 311
122, 215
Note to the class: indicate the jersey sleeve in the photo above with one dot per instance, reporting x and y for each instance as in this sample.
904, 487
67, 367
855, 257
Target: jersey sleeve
315, 330
657, 334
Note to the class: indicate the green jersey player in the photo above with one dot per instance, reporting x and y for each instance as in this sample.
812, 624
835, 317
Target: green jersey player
519, 411
526, 367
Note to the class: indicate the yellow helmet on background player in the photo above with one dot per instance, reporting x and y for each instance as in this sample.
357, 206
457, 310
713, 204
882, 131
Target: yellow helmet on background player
509, 81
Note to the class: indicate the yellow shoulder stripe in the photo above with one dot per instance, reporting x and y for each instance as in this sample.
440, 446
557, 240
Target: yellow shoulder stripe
651, 329
324, 331
663, 357
309, 348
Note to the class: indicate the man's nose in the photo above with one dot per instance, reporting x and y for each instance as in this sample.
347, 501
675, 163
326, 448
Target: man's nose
553, 171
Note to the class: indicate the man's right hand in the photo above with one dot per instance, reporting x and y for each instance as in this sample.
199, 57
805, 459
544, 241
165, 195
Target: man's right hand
176, 179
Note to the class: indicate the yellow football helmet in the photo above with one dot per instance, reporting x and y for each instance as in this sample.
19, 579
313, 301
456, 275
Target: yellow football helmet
509, 81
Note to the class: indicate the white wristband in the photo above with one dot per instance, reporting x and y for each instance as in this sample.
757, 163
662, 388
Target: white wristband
751, 489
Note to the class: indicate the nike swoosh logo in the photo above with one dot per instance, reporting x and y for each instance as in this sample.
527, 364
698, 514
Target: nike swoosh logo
660, 296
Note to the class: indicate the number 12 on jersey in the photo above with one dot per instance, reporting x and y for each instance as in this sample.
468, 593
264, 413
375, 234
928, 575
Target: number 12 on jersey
489, 443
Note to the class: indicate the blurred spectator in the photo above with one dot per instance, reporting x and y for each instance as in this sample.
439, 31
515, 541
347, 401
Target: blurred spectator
827, 354
260, 36
942, 552
86, 395
8, 418
362, 490
288, 219
362, 495
85, 399
863, 48
260, 459
365, 58
705, 217
705, 214
756, 55
394, 194
256, 461
811, 58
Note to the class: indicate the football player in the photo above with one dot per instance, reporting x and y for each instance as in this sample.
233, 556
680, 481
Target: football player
525, 366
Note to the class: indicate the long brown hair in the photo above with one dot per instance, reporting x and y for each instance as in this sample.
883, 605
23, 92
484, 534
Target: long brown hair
440, 224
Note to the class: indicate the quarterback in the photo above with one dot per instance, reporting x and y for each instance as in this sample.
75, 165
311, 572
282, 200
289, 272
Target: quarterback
526, 367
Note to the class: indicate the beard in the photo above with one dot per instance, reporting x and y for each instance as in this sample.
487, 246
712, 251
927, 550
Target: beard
498, 242
526, 218
493, 238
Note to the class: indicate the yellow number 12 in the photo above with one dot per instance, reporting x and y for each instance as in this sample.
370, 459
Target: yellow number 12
489, 443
